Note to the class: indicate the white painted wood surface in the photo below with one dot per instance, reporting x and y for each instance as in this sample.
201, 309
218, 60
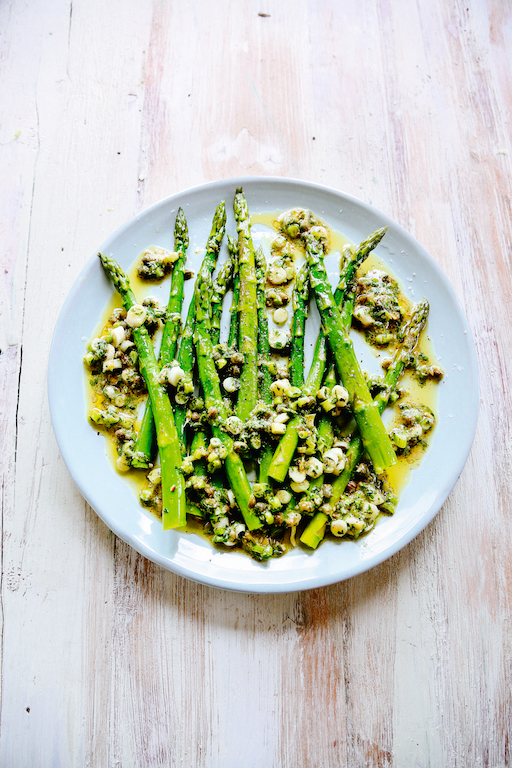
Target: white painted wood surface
106, 107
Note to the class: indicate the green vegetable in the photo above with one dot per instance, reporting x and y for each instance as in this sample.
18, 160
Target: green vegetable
213, 400
220, 287
411, 335
265, 377
300, 312
145, 445
173, 483
314, 532
248, 334
285, 450
234, 318
204, 281
186, 351
366, 412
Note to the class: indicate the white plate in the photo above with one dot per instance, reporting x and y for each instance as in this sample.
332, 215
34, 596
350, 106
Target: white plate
188, 554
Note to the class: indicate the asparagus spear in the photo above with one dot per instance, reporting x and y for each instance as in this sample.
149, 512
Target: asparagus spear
145, 445
234, 319
412, 332
265, 377
325, 427
186, 351
219, 289
285, 450
172, 327
204, 279
288, 443
248, 394
214, 402
300, 312
345, 286
366, 412
173, 482
314, 532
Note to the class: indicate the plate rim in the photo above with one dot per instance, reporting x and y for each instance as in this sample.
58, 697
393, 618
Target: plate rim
312, 582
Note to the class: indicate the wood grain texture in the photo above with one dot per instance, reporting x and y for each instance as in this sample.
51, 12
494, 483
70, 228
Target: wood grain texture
106, 660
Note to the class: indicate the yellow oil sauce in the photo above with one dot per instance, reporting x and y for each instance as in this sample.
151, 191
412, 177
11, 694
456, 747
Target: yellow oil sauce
269, 219
135, 477
337, 241
93, 399
424, 394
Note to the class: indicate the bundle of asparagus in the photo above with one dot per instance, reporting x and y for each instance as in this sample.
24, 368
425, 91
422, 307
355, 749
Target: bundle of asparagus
215, 409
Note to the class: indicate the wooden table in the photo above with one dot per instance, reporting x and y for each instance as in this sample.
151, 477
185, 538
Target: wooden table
107, 107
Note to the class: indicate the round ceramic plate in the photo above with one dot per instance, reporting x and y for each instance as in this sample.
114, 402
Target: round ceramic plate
188, 554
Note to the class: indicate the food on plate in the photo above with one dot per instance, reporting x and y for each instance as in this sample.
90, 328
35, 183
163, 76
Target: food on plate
232, 434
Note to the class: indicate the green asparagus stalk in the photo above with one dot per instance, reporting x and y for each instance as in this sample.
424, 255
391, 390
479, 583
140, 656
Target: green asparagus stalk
314, 532
285, 450
233, 322
173, 483
203, 281
220, 287
145, 444
172, 327
300, 312
248, 394
366, 412
344, 297
214, 402
186, 351
402, 356
265, 377
213, 399
325, 426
